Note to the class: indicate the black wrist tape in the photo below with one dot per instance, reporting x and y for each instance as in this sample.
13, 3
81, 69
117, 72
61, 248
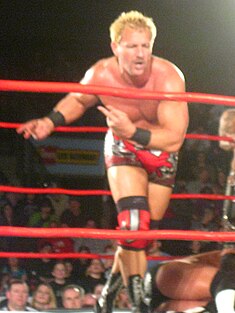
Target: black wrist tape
57, 118
141, 136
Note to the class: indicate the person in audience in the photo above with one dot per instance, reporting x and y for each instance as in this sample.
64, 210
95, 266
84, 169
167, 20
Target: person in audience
59, 280
69, 267
73, 215
60, 202
8, 218
27, 207
14, 269
94, 245
122, 301
94, 276
43, 298
81, 264
41, 268
154, 249
17, 297
72, 296
59, 244
44, 217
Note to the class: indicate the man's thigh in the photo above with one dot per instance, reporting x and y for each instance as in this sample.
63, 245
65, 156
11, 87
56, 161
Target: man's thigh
158, 198
126, 181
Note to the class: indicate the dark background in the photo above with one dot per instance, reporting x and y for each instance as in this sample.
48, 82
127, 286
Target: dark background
197, 35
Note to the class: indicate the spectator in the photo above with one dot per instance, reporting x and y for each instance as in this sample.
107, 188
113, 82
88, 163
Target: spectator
44, 217
94, 276
122, 301
91, 298
17, 297
14, 269
108, 263
94, 245
27, 207
81, 264
73, 216
60, 202
4, 283
8, 218
41, 268
59, 244
69, 266
44, 298
59, 281
72, 296
154, 250
202, 180
195, 247
206, 222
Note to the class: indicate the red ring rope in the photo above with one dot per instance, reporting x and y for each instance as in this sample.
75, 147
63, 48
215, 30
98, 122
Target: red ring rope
58, 87
116, 234
90, 129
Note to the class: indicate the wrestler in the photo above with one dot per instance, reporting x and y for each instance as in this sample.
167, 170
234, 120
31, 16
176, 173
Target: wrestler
198, 281
141, 146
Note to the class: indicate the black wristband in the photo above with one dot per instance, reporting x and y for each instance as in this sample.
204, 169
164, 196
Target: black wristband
141, 136
57, 118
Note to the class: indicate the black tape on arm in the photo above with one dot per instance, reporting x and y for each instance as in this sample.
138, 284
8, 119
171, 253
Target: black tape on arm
57, 118
141, 136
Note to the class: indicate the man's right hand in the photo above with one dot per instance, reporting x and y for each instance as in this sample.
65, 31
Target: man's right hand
38, 129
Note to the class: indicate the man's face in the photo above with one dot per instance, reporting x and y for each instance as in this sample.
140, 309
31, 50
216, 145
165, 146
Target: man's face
134, 51
72, 299
17, 297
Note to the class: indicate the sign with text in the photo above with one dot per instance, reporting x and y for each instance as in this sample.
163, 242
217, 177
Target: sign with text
72, 156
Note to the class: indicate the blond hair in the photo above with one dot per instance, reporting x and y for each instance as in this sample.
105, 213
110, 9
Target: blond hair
133, 19
52, 304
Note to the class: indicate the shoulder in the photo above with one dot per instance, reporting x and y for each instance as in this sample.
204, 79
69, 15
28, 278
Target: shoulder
169, 73
99, 71
166, 66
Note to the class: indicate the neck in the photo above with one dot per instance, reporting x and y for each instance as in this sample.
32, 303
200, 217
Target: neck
40, 306
15, 308
60, 281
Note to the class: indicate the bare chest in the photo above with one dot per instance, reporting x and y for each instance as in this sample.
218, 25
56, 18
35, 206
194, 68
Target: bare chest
136, 109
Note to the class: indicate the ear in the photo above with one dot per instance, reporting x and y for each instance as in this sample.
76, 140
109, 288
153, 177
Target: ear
114, 47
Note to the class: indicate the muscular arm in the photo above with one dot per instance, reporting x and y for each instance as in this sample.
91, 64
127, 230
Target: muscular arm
71, 107
172, 116
169, 135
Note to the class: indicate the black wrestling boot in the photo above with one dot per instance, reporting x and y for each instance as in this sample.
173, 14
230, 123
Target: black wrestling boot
111, 288
136, 295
